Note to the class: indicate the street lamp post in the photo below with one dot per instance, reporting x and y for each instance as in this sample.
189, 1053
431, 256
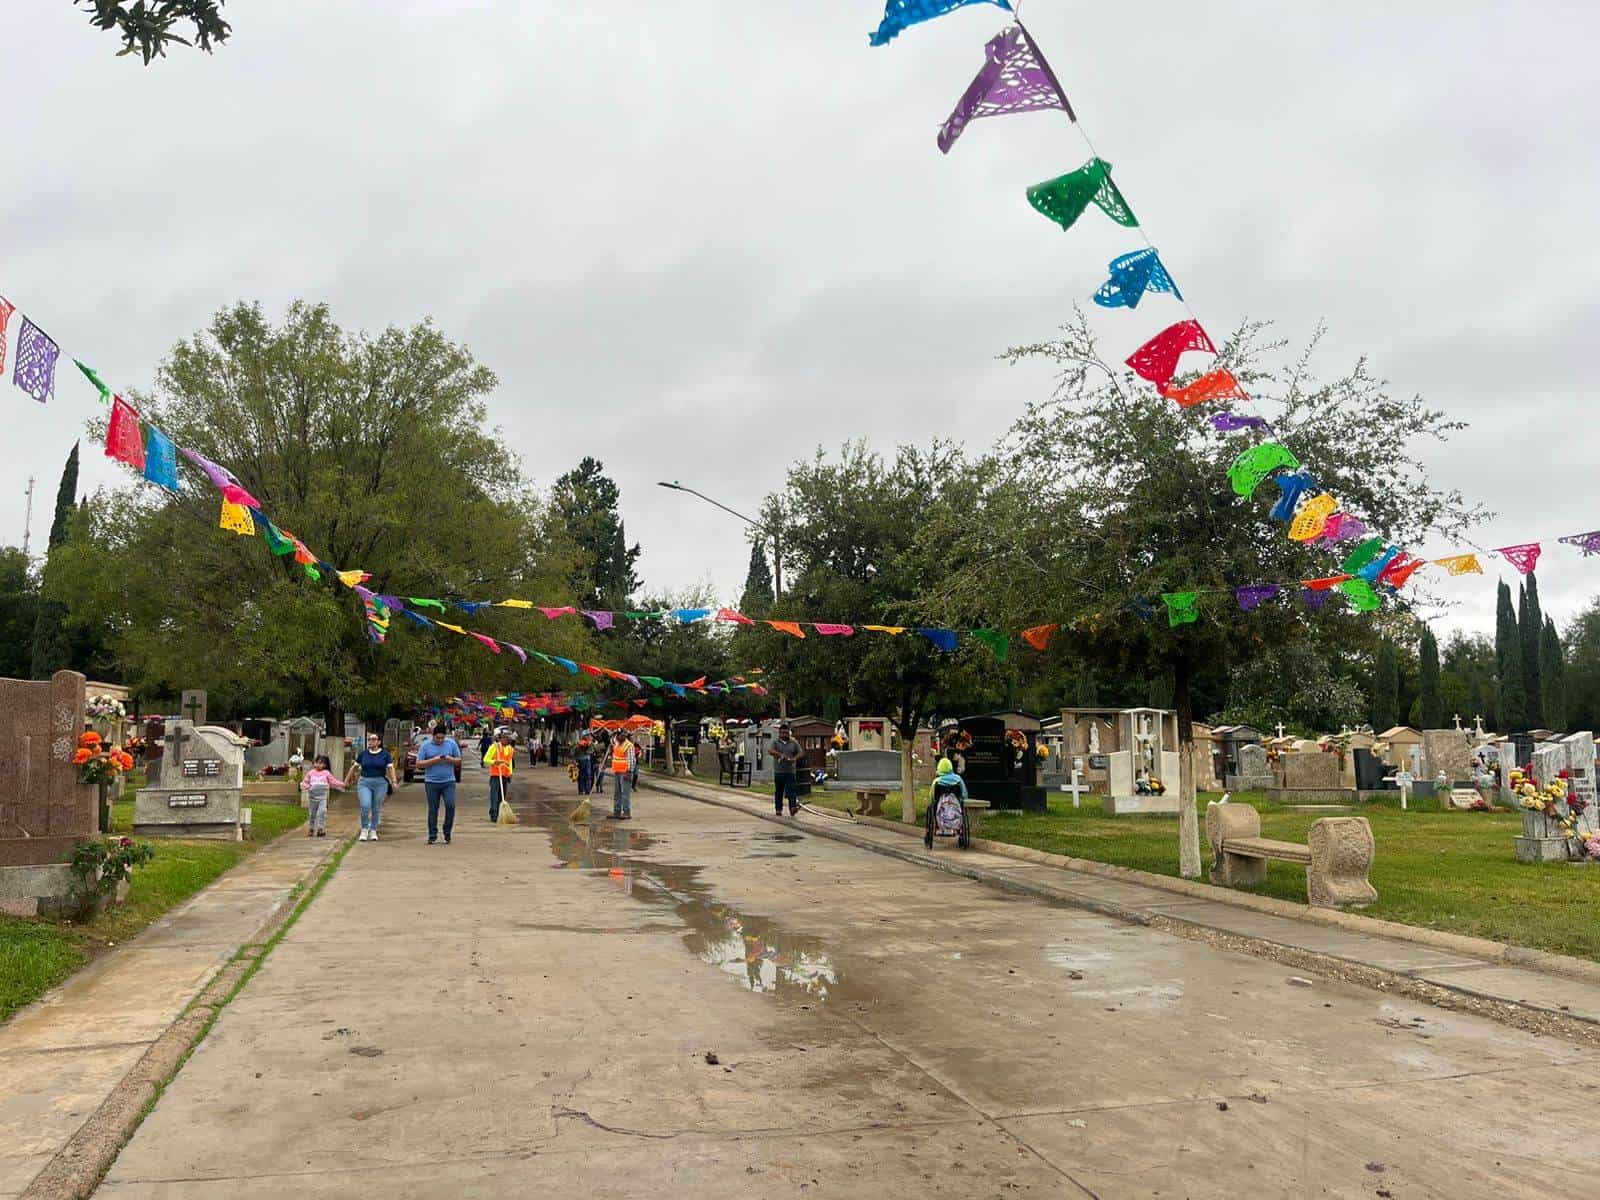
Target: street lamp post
777, 556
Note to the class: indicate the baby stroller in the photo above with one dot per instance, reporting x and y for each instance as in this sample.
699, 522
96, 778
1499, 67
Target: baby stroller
947, 816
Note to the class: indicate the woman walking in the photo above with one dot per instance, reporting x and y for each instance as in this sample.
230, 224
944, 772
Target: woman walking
376, 766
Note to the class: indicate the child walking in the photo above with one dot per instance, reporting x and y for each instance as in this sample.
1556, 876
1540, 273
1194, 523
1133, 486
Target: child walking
316, 785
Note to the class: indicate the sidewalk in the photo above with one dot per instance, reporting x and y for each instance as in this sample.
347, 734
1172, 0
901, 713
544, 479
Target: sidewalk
1468, 966
62, 1057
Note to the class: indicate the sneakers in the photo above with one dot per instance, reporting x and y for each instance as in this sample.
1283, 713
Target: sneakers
322, 833
432, 841
363, 836
372, 836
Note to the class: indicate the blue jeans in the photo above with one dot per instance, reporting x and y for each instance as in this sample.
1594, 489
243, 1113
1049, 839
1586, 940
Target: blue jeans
585, 776
372, 790
437, 792
498, 786
622, 795
784, 784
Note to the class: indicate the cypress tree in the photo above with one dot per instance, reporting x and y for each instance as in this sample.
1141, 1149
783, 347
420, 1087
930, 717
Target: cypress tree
757, 597
1386, 688
51, 651
66, 500
1511, 697
1552, 677
1432, 713
1530, 629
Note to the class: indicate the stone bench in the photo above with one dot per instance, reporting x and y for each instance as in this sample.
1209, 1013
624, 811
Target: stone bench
1337, 857
870, 793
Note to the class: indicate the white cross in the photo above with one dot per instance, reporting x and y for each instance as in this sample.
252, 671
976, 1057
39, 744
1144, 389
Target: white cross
1458, 722
1279, 728
1076, 786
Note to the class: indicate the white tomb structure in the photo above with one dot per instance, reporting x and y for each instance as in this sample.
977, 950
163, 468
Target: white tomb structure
1124, 750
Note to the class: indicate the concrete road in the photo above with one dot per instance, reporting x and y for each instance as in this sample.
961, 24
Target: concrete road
699, 1004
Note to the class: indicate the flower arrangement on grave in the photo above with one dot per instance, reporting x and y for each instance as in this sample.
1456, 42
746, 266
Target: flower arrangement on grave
135, 745
839, 742
659, 729
717, 733
105, 706
1557, 801
1016, 739
1041, 750
96, 762
1591, 846
959, 740
104, 864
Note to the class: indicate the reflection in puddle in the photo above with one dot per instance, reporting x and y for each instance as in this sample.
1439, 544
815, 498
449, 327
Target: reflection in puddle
759, 953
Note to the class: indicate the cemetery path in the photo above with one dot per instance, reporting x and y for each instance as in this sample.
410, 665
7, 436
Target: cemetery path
696, 1003
62, 1057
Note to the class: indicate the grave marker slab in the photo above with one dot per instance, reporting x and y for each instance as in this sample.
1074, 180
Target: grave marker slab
200, 789
1253, 773
1311, 777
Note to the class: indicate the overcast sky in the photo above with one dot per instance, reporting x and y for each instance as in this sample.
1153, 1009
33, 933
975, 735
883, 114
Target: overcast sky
729, 223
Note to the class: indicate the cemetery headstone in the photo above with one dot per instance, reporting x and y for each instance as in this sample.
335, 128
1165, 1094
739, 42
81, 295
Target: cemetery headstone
1541, 839
1581, 763
1448, 751
1253, 773
200, 789
193, 706
993, 772
44, 810
1311, 777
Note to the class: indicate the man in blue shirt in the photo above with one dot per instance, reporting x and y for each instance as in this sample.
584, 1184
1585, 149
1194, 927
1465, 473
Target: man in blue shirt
437, 759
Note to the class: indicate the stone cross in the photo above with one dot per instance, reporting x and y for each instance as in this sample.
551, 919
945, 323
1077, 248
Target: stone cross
1477, 725
1458, 722
194, 703
1279, 728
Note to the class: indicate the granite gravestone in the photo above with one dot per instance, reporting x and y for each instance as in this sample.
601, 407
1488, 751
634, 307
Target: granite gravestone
1542, 839
1581, 764
44, 810
1311, 777
1448, 752
1253, 774
993, 772
200, 789
193, 706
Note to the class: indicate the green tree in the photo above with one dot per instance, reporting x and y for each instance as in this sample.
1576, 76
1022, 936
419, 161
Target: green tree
19, 607
1467, 677
1552, 678
147, 27
1386, 688
1121, 496
1530, 629
1582, 668
51, 646
1511, 698
867, 541
372, 450
1432, 703
756, 600
585, 501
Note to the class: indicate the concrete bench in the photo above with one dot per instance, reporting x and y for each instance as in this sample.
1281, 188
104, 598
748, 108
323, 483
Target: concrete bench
1337, 857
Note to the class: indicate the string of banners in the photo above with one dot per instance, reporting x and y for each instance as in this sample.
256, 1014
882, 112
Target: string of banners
1016, 78
145, 447
1372, 565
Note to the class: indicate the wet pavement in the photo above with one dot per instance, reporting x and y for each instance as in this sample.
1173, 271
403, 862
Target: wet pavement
697, 1003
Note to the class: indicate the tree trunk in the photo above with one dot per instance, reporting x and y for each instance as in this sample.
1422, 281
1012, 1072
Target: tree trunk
333, 716
908, 779
1188, 817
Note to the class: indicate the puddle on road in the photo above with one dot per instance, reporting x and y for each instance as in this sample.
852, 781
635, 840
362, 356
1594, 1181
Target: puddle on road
754, 950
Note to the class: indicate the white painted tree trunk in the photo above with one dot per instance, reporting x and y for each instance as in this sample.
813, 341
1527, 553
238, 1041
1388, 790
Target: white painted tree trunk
908, 782
1188, 817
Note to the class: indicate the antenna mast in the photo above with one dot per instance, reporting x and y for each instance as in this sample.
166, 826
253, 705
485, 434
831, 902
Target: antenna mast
27, 521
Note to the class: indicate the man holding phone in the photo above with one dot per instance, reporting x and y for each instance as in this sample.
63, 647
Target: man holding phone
437, 758
786, 755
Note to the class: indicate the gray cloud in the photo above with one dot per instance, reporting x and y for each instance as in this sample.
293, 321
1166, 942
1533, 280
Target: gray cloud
697, 240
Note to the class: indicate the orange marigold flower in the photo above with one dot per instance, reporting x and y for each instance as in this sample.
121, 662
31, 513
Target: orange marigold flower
82, 755
90, 739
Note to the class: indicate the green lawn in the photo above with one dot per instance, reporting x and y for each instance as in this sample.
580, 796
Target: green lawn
35, 955
1451, 871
